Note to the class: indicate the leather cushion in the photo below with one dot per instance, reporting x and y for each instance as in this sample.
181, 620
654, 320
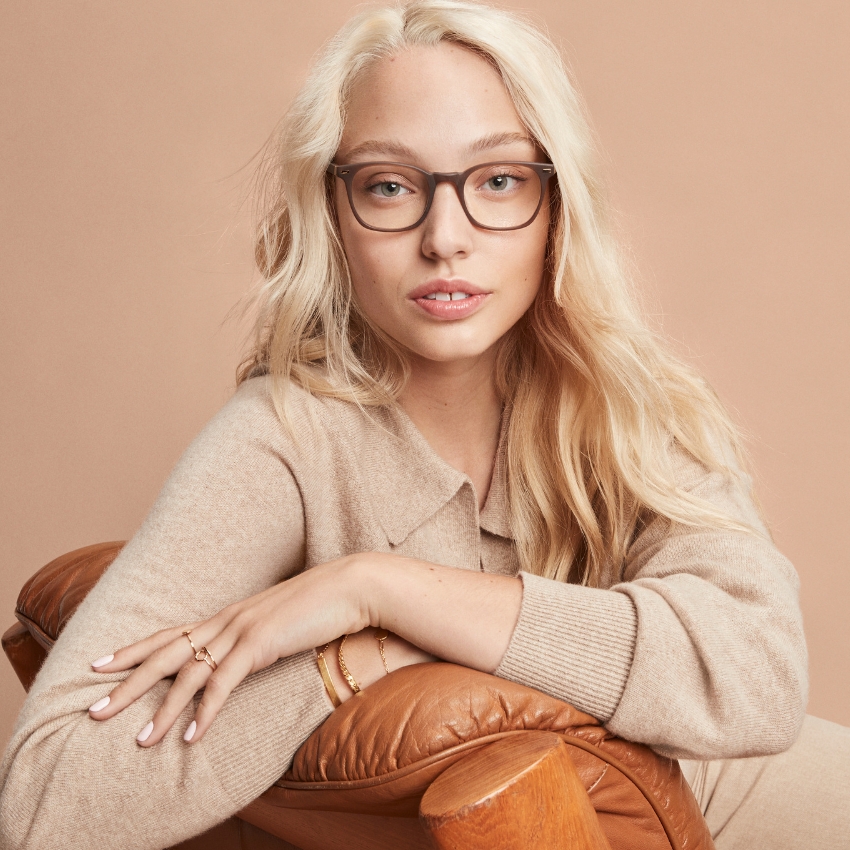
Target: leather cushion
48, 600
423, 718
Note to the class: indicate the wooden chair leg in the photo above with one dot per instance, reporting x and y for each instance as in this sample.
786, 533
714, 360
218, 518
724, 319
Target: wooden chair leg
520, 792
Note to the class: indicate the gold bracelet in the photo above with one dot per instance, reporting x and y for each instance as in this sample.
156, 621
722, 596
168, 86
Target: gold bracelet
344, 670
326, 677
381, 635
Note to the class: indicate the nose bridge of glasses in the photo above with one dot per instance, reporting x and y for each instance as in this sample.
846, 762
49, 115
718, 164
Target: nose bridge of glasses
455, 178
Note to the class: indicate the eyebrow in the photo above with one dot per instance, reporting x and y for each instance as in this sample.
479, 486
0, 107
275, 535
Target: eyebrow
402, 152
498, 140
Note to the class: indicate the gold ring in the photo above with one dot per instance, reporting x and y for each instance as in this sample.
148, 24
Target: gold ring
186, 635
203, 654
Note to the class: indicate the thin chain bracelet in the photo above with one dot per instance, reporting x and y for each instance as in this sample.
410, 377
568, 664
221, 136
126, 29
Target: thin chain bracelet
381, 635
344, 670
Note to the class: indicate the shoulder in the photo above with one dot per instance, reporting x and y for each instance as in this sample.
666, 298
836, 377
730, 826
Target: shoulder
720, 526
726, 488
313, 426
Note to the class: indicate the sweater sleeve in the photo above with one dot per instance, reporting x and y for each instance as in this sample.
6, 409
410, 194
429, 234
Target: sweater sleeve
228, 523
698, 651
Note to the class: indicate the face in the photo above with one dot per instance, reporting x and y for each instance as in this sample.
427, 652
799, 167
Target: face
443, 109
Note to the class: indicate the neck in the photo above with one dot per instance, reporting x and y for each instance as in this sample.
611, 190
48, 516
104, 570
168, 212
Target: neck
457, 409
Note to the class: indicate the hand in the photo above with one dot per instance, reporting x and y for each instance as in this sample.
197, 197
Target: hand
305, 611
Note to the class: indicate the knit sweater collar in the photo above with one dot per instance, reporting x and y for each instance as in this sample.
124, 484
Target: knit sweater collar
409, 482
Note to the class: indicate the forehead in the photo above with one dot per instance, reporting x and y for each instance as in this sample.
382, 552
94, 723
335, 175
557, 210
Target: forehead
434, 103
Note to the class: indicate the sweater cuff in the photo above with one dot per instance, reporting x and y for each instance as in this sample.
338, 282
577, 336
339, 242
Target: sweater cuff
573, 642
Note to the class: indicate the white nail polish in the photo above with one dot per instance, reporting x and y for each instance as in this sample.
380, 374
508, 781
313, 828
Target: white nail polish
100, 704
190, 731
101, 661
145, 733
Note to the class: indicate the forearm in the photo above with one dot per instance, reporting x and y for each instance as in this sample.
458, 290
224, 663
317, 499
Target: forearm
457, 615
705, 627
67, 780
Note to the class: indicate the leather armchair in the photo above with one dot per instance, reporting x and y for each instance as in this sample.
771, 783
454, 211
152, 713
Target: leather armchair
433, 755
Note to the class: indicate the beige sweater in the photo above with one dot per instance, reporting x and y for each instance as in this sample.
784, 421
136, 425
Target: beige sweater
695, 647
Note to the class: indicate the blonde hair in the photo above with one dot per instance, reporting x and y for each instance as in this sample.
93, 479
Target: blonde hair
596, 401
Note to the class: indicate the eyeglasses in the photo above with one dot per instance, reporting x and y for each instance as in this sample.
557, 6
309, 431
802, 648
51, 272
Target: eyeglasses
391, 196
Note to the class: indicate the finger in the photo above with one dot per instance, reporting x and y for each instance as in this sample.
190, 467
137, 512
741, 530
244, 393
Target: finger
193, 676
235, 667
136, 653
161, 663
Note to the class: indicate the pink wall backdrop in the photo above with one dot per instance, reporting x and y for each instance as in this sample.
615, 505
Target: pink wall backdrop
128, 132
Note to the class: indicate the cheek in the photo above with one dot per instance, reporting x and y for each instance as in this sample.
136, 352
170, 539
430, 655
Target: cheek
374, 274
527, 261
363, 263
364, 253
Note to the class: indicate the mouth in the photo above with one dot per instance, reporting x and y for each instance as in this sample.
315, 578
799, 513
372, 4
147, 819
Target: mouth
448, 299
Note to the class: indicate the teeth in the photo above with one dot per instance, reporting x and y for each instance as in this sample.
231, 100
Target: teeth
445, 296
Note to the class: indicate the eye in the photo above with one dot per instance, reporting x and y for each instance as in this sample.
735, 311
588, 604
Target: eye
501, 182
387, 189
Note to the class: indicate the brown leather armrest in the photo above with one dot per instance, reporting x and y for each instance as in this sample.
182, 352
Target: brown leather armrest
47, 601
380, 751
24, 652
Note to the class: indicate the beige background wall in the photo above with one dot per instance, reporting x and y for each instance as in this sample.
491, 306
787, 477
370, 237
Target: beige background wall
726, 127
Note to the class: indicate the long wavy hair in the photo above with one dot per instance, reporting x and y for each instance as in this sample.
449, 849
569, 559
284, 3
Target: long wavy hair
596, 401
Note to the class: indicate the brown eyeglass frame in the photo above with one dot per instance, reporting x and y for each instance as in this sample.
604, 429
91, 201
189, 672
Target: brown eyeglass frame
458, 179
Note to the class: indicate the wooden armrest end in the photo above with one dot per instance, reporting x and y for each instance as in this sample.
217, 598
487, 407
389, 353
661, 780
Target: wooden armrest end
522, 791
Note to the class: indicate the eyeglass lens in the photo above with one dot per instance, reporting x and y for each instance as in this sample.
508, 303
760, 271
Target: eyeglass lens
393, 197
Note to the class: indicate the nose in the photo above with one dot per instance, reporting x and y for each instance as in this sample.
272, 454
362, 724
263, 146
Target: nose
447, 232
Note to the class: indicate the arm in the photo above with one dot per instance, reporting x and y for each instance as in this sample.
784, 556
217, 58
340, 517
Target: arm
697, 647
401, 587
228, 524
720, 662
591, 647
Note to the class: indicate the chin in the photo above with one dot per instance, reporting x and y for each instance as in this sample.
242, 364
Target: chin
451, 352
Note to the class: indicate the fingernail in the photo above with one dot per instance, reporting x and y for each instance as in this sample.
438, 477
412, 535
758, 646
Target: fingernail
145, 733
101, 661
190, 731
100, 704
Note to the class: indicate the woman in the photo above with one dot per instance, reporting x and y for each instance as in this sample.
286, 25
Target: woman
453, 426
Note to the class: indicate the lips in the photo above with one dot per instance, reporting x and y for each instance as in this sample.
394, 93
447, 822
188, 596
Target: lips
448, 299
